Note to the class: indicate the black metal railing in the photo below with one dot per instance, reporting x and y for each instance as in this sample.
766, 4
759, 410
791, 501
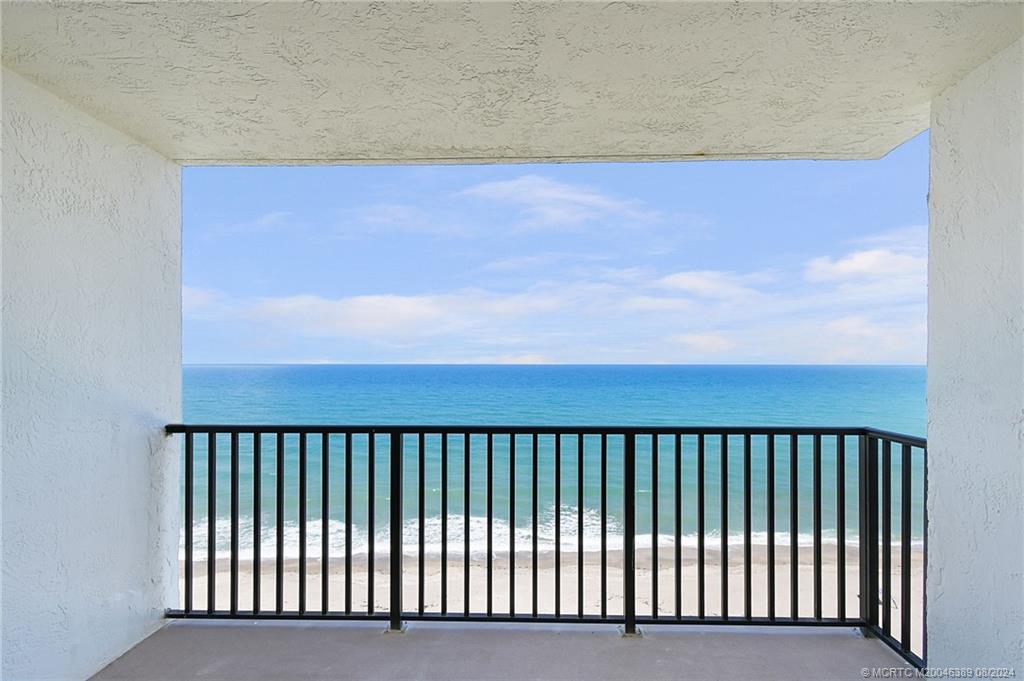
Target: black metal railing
791, 526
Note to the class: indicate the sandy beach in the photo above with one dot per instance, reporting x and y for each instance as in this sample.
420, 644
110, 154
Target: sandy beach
569, 581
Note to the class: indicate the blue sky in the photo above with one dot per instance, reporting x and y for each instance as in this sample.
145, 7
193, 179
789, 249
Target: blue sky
700, 262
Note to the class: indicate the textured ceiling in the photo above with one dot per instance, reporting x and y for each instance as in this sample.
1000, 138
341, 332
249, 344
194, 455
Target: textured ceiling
218, 82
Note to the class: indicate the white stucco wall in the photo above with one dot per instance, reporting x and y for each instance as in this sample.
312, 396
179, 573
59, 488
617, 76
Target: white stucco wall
91, 373
975, 585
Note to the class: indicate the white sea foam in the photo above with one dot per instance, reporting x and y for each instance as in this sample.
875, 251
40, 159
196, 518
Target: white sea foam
478, 530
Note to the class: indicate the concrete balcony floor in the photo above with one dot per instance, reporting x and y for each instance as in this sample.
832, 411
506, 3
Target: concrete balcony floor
254, 651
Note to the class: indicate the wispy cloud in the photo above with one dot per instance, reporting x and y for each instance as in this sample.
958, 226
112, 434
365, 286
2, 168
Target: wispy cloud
547, 203
203, 303
705, 343
856, 339
398, 318
714, 284
193, 298
525, 358
374, 316
856, 305
525, 262
894, 270
266, 222
399, 218
876, 263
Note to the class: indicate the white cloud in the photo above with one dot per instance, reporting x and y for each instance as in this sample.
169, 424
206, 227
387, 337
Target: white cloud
898, 254
398, 318
384, 316
714, 284
549, 203
876, 263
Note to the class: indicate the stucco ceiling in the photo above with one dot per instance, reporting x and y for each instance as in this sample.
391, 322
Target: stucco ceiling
216, 82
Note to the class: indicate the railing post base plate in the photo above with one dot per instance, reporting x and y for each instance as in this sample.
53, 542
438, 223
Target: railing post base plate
400, 630
636, 633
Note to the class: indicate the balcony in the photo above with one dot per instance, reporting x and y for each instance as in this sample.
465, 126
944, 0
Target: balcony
697, 526
104, 102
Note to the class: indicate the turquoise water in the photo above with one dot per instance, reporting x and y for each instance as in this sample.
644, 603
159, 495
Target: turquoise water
891, 398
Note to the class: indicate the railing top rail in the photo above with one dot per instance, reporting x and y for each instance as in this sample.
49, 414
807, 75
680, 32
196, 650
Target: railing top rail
543, 430
900, 438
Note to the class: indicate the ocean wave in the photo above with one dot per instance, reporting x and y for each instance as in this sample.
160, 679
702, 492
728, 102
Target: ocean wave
501, 537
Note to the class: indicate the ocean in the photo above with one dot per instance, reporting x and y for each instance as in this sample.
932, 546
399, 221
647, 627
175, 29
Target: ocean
891, 398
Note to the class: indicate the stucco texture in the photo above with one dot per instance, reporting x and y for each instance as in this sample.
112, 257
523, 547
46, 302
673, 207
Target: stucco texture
975, 577
91, 373
319, 82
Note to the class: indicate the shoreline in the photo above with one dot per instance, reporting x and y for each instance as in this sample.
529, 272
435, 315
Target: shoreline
569, 597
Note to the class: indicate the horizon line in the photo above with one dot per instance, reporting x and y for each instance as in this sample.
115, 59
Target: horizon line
558, 364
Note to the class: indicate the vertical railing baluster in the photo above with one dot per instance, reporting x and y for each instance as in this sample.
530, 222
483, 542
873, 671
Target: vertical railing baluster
257, 532
816, 503
579, 524
189, 511
869, 531
841, 526
604, 525
421, 562
747, 494
233, 601
887, 537
701, 596
512, 524
371, 516
678, 494
629, 534
533, 535
325, 529
862, 528
490, 523
905, 546
558, 524
395, 530
794, 521
348, 523
466, 497
654, 525
302, 523
724, 492
211, 523
924, 556
770, 511
444, 523
279, 529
